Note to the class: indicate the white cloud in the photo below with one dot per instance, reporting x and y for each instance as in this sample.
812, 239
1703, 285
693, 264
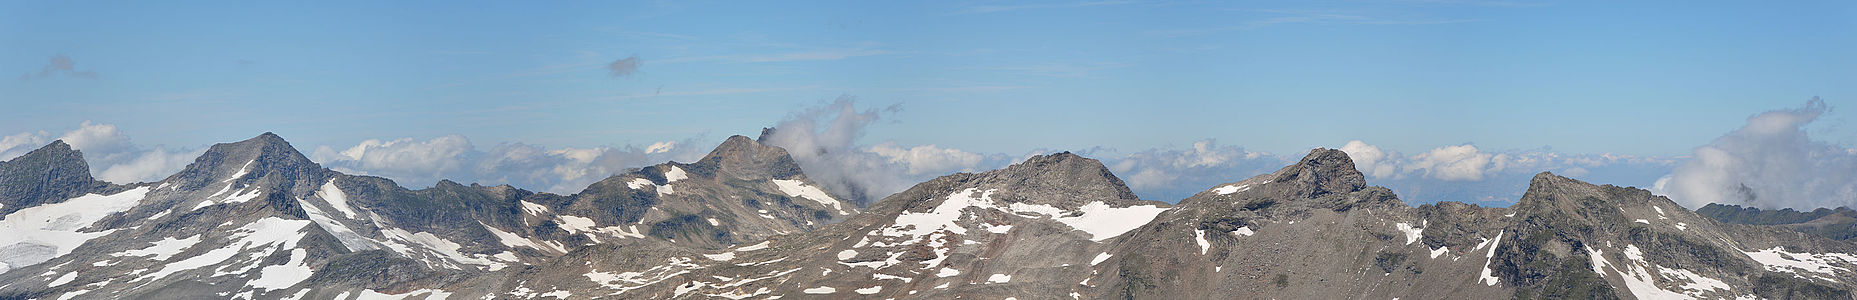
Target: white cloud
1174, 173
417, 163
823, 141
930, 159
112, 156
1771, 163
151, 165
18, 144
660, 147
1452, 163
1370, 159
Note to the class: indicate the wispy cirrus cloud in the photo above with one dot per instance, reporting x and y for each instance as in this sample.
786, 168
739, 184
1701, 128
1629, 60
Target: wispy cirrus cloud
59, 65
1263, 18
808, 55
982, 9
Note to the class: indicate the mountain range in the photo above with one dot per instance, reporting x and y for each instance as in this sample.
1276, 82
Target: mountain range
256, 219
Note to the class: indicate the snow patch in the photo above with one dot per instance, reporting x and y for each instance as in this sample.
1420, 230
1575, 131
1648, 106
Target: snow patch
1199, 236
869, 290
336, 198
534, 209
1229, 189
999, 278
58, 226
796, 188
1485, 277
285, 275
1244, 231
820, 290
947, 272
1412, 234
1100, 258
162, 249
675, 174
263, 233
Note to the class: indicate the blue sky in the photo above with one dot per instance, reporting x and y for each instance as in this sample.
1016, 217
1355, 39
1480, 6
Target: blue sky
1636, 78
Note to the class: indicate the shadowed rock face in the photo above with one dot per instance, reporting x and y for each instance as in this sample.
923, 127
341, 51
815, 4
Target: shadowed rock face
48, 175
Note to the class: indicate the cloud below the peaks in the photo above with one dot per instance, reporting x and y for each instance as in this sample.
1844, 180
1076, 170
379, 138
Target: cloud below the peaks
112, 156
1771, 162
419, 163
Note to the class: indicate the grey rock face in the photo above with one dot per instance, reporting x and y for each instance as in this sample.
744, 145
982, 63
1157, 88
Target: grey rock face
47, 175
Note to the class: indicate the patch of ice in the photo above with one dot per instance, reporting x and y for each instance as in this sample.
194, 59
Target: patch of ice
1642, 221
796, 188
1440, 251
266, 232
996, 228
67, 278
430, 294
351, 240
72, 294
820, 290
1778, 260
762, 245
336, 198
1199, 236
534, 209
1100, 258
1244, 231
162, 249
725, 256
59, 226
511, 240
1598, 260
675, 174
869, 290
847, 254
438, 246
1486, 278
637, 183
947, 272
1227, 190
285, 275
1412, 234
999, 278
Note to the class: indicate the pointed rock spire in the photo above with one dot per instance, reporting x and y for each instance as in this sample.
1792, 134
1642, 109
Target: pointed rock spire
49, 174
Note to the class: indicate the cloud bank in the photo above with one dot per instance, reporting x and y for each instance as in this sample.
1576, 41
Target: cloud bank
418, 163
824, 141
1769, 163
112, 156
1466, 173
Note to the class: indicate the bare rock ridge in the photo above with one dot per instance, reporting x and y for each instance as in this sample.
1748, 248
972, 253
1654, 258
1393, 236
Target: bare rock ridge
49, 174
743, 158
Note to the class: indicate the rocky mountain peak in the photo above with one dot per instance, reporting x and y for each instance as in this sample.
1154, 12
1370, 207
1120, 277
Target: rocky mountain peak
1322, 172
1062, 179
251, 159
745, 158
51, 173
